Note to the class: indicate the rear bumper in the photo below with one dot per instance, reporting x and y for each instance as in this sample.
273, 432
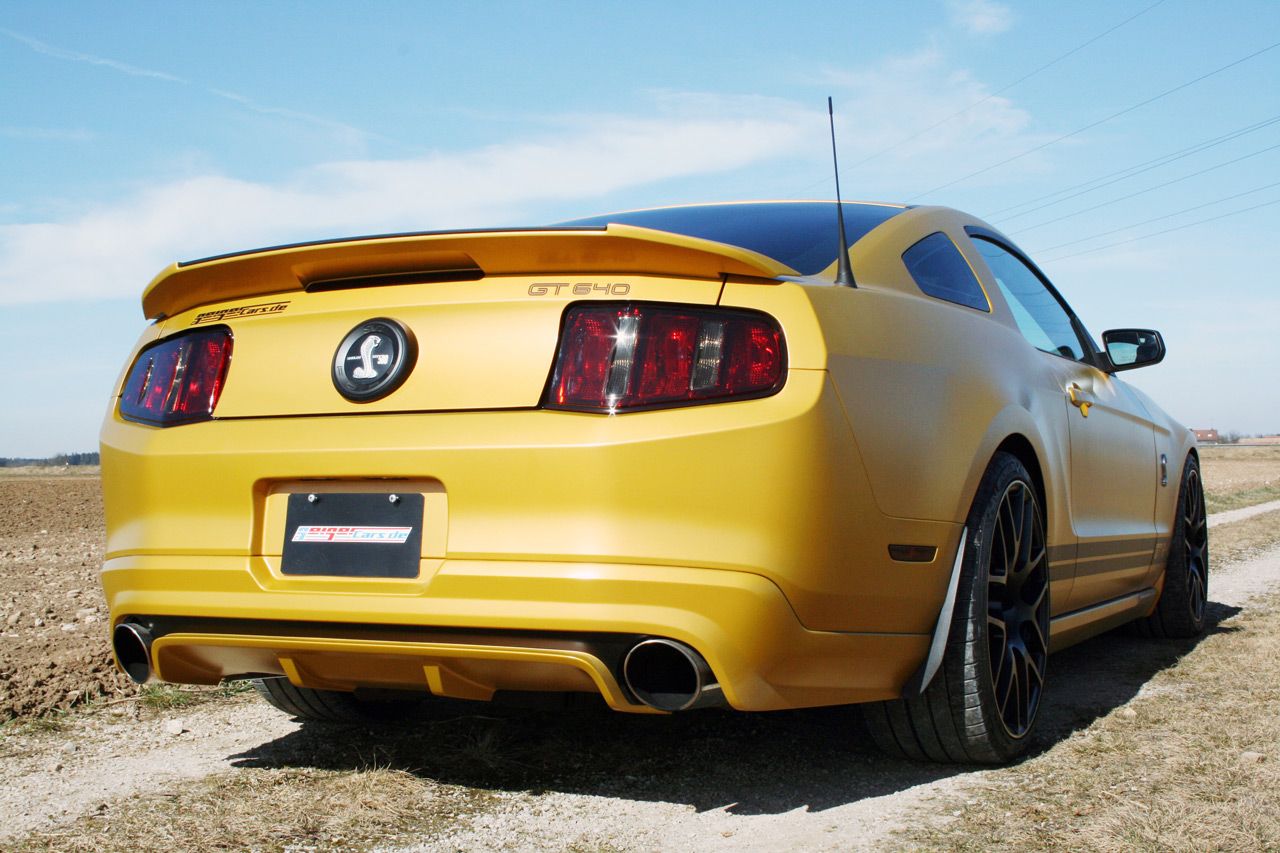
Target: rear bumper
746, 530
510, 626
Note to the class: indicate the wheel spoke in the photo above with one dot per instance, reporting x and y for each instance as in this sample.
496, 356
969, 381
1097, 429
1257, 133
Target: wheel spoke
1017, 516
1010, 688
1195, 544
1026, 533
1020, 696
1041, 593
1033, 562
997, 642
1041, 640
1198, 595
1004, 537
1036, 676
1017, 608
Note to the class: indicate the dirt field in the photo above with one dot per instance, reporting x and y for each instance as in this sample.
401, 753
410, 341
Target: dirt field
166, 769
53, 651
1240, 475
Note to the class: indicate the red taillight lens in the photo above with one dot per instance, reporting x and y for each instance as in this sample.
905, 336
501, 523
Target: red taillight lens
178, 380
618, 357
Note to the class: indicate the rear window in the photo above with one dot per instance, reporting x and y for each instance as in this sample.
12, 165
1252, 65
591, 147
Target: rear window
942, 272
800, 234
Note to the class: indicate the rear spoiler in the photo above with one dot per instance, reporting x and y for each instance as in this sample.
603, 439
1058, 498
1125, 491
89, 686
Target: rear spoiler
399, 258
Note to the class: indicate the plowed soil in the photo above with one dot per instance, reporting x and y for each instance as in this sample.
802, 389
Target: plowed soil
221, 771
53, 650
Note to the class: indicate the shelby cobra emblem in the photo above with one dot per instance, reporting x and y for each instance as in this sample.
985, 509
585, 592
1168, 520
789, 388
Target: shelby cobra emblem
373, 360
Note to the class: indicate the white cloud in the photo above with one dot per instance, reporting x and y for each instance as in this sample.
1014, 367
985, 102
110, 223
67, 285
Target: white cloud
980, 17
915, 122
345, 133
49, 134
89, 59
112, 251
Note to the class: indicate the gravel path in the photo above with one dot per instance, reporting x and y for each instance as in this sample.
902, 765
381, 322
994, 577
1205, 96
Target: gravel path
1230, 515
1088, 680
814, 792
55, 776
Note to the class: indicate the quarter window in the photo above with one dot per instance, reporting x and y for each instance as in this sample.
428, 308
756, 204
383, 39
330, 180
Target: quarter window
942, 272
1041, 318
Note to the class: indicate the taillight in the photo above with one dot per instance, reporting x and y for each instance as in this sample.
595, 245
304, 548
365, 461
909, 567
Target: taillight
178, 380
616, 357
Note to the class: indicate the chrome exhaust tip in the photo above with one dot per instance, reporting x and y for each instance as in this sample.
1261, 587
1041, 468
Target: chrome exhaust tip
131, 643
670, 676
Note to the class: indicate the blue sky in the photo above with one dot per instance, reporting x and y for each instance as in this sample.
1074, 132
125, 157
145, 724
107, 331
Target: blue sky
134, 134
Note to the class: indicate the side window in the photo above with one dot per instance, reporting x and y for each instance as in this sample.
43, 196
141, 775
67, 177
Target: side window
941, 271
1040, 316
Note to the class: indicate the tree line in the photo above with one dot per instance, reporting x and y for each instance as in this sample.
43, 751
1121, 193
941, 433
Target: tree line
60, 459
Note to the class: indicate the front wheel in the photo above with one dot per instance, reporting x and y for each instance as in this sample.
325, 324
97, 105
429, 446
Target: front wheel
1180, 612
982, 703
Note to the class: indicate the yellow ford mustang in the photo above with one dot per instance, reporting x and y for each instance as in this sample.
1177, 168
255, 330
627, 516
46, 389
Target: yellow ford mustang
675, 458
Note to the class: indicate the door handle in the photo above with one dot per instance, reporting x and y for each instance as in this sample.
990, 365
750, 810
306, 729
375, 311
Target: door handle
1076, 393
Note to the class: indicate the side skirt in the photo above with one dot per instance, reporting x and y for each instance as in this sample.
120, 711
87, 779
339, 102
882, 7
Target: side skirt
1070, 628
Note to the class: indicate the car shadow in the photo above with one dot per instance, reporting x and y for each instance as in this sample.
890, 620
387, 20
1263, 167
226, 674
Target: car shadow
745, 763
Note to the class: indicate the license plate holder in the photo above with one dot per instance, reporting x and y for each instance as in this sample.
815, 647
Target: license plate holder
353, 534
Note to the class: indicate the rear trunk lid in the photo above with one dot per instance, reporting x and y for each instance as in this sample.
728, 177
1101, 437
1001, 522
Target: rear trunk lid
484, 309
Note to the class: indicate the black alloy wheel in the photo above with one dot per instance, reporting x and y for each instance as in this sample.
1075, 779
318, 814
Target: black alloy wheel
1180, 612
1195, 544
1018, 609
981, 704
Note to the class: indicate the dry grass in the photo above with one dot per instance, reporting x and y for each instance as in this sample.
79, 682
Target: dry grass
1191, 764
1242, 540
268, 810
1169, 777
50, 471
166, 697
1177, 776
1237, 476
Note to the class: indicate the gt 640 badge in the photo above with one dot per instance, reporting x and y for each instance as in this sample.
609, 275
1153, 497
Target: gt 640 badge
373, 360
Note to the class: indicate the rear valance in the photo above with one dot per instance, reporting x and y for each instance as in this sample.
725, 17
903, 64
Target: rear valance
617, 249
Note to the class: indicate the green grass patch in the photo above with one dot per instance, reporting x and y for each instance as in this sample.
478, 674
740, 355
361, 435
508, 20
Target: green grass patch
1239, 500
167, 697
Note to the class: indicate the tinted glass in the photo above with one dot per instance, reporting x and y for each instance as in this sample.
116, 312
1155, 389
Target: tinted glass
801, 234
1040, 316
940, 270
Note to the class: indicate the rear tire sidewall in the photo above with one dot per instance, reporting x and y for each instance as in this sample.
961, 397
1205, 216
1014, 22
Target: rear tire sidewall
968, 657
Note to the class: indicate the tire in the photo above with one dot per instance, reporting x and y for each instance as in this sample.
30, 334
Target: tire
331, 706
982, 703
1180, 612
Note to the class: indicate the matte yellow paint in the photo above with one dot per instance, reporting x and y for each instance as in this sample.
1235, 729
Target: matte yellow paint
623, 249
757, 532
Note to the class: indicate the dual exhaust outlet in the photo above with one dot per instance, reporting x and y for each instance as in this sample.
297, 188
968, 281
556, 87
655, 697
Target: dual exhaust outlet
132, 644
666, 675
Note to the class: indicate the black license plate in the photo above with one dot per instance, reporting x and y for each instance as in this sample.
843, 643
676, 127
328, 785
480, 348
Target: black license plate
353, 534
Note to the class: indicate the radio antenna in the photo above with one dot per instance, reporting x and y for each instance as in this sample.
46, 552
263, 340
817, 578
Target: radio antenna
844, 272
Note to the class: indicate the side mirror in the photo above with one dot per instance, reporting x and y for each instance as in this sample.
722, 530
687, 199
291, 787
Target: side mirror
1130, 348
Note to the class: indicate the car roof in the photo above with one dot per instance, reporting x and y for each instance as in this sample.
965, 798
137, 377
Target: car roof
800, 234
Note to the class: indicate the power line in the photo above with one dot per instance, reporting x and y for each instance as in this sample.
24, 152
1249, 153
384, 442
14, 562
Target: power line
1000, 91
1131, 171
1149, 189
1156, 219
1100, 121
1168, 230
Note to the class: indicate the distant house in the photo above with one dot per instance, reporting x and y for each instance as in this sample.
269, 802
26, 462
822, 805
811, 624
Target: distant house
1206, 436
1262, 439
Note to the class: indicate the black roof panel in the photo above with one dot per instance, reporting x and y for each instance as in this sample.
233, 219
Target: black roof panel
800, 234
